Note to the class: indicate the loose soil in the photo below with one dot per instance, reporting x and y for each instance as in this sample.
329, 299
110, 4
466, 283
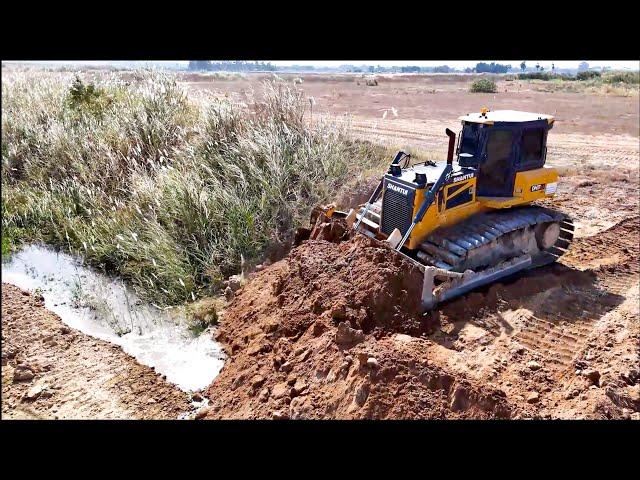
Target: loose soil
332, 332
51, 371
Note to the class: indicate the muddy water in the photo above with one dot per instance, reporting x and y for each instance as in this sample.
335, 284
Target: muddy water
103, 307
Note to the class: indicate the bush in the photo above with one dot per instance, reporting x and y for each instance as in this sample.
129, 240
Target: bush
587, 75
166, 190
622, 77
535, 76
371, 82
483, 85
88, 98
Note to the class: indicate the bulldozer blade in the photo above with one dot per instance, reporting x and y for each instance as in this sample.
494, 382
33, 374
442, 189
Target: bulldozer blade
460, 284
351, 218
394, 238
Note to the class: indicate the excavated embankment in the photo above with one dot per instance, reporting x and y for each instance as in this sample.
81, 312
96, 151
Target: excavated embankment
333, 331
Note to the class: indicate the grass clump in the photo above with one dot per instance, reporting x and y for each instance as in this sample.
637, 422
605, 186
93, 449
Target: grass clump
484, 85
588, 75
87, 98
165, 189
631, 78
203, 314
535, 76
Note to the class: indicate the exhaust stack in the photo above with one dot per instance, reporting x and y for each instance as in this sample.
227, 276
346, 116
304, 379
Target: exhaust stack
452, 144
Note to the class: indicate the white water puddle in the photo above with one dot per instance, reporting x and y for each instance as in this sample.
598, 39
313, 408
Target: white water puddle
102, 307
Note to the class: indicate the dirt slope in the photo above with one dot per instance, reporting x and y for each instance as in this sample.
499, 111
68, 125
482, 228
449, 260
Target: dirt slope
52, 371
331, 332
322, 334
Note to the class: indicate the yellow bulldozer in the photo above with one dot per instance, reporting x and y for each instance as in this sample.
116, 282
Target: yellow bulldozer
473, 221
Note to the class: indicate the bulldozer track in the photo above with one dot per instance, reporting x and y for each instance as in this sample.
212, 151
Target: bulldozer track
619, 282
449, 247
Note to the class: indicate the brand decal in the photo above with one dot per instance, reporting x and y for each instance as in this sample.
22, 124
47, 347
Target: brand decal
396, 188
538, 187
463, 177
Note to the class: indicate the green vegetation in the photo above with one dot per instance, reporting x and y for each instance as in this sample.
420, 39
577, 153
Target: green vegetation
84, 98
631, 78
491, 68
617, 83
484, 85
202, 314
6, 246
587, 75
11, 239
607, 77
535, 76
165, 189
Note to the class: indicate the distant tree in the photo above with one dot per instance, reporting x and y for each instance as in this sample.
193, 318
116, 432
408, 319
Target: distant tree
199, 65
492, 68
442, 69
523, 66
583, 66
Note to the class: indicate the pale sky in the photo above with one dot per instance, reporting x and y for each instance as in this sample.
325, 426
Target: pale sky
460, 64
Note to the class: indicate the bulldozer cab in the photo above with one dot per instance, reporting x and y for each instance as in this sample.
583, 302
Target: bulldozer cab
500, 144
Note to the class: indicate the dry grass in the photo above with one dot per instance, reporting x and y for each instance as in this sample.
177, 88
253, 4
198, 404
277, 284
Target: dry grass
164, 189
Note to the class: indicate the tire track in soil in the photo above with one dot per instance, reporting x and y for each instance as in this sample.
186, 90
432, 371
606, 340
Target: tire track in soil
564, 149
565, 317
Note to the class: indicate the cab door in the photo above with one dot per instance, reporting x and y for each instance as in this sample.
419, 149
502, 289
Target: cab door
496, 174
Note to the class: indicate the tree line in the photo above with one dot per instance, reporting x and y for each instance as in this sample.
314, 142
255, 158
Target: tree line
230, 66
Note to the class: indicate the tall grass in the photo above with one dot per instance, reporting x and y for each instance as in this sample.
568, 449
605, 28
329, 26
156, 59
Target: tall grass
165, 189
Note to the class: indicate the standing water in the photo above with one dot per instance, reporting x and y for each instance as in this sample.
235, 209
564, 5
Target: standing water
105, 308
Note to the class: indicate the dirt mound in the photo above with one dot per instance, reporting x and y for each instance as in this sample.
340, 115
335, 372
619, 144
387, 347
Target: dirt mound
333, 331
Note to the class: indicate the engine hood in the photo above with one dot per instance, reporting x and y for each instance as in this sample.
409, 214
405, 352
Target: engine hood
432, 172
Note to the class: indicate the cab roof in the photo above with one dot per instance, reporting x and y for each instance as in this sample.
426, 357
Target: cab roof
505, 116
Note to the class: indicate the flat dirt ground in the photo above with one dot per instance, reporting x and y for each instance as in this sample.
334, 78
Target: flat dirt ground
594, 142
331, 332
51, 371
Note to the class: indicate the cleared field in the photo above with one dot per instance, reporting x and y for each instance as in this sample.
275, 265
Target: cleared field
594, 142
442, 98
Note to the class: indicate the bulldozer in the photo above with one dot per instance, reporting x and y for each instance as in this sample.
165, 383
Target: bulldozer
468, 223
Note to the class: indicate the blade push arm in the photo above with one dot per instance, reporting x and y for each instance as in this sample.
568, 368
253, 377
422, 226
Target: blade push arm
431, 194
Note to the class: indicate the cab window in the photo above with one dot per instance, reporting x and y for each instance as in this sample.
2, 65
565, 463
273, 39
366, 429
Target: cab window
531, 149
469, 140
